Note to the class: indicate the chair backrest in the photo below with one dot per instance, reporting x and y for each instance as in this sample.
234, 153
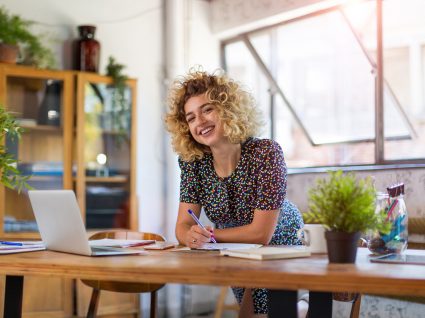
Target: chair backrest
127, 235
126, 287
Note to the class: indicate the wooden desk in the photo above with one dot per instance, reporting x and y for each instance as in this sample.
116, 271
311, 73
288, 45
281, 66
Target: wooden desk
209, 268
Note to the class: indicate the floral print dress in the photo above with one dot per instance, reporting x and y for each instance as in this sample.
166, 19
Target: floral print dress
257, 183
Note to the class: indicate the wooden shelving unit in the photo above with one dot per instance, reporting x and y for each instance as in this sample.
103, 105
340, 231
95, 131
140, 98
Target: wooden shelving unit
59, 154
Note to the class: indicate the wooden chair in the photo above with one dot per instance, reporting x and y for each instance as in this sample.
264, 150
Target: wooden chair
221, 303
122, 287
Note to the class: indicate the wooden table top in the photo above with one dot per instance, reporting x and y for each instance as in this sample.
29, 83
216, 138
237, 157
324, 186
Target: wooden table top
209, 268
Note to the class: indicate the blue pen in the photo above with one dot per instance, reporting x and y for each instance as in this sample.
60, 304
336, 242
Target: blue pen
199, 223
11, 243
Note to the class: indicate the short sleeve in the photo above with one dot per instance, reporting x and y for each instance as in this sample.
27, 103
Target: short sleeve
189, 182
271, 181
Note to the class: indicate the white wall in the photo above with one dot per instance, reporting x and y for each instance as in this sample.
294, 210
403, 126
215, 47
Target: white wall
131, 31
190, 42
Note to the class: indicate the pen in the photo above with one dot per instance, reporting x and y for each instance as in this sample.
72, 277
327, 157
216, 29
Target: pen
199, 223
11, 243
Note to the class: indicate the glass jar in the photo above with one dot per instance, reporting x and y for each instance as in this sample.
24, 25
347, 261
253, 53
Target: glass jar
392, 203
88, 49
373, 238
396, 240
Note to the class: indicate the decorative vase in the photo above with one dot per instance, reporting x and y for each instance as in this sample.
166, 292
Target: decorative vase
49, 110
342, 246
87, 49
8, 53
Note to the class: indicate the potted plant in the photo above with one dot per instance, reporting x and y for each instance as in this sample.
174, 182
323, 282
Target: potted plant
17, 39
10, 176
345, 206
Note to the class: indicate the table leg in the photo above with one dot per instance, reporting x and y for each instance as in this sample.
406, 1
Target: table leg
320, 305
283, 303
13, 296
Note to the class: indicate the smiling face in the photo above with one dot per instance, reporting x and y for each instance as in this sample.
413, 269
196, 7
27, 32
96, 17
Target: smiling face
204, 122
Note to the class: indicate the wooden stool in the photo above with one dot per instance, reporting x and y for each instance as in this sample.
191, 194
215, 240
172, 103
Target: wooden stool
221, 303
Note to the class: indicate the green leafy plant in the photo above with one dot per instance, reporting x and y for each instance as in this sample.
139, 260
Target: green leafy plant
16, 31
121, 106
346, 204
10, 176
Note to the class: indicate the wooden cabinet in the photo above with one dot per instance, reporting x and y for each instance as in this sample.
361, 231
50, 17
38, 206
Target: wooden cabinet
75, 138
42, 102
106, 152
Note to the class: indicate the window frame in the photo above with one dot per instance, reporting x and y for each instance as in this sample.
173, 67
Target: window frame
380, 83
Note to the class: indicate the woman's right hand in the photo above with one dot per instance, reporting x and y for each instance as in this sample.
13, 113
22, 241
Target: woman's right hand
196, 237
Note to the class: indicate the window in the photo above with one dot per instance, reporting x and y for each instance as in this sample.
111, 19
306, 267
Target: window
314, 79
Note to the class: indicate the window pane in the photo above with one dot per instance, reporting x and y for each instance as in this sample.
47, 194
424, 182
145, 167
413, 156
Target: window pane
327, 78
404, 69
300, 153
326, 72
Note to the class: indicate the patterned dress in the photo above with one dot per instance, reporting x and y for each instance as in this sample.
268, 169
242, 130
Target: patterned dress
257, 183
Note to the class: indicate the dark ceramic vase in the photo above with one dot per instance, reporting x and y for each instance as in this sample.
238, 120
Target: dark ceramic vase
87, 50
342, 246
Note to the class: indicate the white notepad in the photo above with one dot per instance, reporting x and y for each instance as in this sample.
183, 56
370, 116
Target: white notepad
268, 252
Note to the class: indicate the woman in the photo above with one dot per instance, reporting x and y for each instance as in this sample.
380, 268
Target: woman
239, 180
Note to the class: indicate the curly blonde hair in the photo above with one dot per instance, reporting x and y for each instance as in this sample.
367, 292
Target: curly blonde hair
236, 108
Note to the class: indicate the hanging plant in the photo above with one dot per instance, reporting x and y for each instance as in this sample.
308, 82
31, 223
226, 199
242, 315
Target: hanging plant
121, 105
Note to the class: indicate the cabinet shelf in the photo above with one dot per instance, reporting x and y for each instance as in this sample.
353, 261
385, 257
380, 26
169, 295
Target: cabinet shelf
113, 179
17, 236
113, 132
45, 177
45, 128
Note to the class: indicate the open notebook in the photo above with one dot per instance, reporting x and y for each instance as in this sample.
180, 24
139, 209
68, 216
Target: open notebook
269, 252
227, 246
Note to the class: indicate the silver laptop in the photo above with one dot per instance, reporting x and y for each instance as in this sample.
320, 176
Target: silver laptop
61, 226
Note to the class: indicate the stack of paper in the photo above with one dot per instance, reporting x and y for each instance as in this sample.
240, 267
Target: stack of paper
9, 247
119, 243
228, 246
160, 246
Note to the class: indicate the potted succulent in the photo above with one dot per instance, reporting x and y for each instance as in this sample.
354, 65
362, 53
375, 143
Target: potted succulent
10, 176
17, 39
345, 205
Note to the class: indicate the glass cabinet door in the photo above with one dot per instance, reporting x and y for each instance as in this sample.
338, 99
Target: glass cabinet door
105, 186
41, 103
